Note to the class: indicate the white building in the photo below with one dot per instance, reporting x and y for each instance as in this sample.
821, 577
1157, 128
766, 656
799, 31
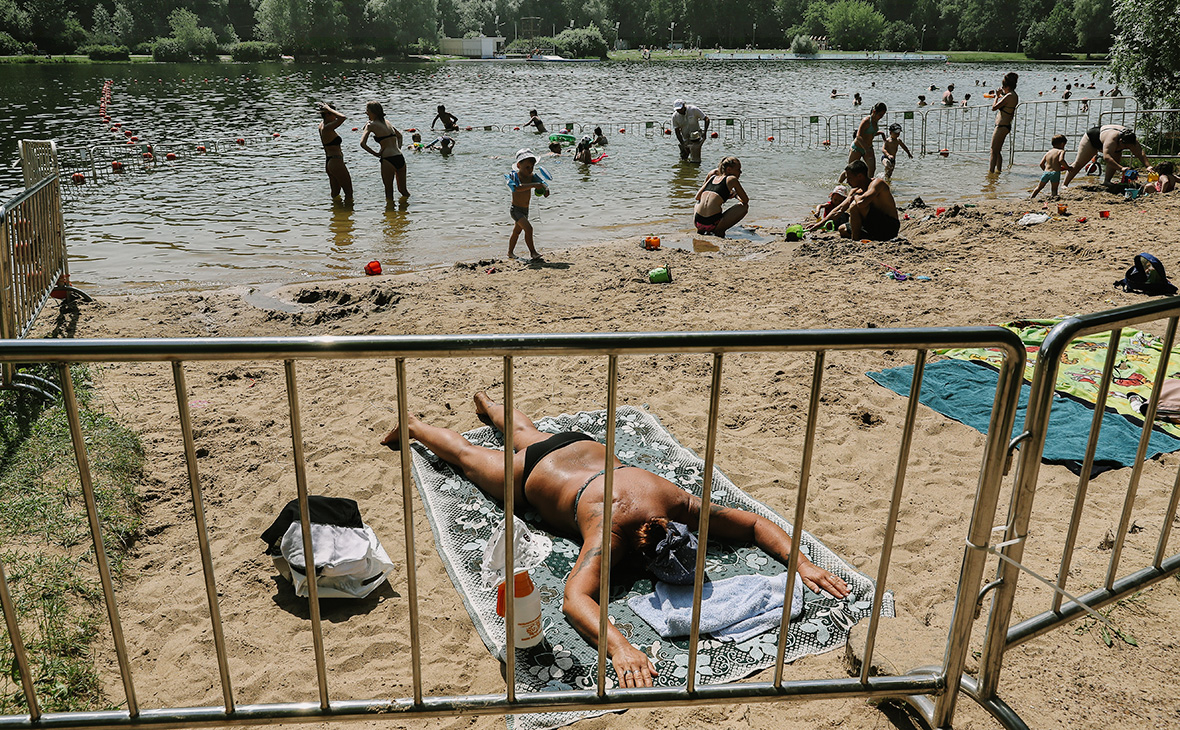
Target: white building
482, 47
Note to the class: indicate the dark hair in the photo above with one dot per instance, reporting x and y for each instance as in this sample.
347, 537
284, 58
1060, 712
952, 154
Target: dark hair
598, 130
555, 144
1010, 79
879, 106
921, 97
375, 108
1127, 136
532, 112
1166, 168
1059, 140
649, 535
895, 127
856, 167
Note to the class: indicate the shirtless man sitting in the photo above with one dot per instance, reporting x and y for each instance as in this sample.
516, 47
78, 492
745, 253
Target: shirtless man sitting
872, 212
1110, 140
561, 476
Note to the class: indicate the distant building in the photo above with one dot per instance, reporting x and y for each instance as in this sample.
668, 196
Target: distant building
481, 47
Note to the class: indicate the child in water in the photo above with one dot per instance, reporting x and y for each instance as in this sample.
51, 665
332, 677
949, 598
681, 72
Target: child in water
600, 139
523, 181
535, 121
1053, 163
582, 153
889, 153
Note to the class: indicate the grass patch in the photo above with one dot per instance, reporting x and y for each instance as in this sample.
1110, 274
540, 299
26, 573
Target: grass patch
46, 546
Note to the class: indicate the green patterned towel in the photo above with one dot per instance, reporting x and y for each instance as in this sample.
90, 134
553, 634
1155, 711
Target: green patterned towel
463, 518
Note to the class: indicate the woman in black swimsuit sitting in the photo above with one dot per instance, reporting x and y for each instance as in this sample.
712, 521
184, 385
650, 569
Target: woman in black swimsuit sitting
338, 175
393, 162
721, 185
561, 476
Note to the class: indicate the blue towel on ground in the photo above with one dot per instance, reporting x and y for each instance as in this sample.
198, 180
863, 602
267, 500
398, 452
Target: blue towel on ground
732, 609
965, 391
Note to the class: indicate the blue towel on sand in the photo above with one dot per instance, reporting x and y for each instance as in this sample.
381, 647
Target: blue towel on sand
732, 609
965, 390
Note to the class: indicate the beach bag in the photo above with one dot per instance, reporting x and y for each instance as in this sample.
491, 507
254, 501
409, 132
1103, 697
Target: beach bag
1146, 276
349, 559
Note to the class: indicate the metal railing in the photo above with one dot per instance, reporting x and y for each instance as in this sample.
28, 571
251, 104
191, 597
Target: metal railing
1000, 636
38, 159
931, 690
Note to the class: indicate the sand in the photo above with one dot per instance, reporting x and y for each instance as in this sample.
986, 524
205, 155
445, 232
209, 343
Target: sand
983, 268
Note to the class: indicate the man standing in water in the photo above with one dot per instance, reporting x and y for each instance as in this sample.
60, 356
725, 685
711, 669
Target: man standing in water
686, 123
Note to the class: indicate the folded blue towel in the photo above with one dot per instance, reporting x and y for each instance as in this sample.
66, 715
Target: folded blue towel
732, 609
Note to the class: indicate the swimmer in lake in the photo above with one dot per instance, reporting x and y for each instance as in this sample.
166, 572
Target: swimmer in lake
393, 162
338, 176
449, 121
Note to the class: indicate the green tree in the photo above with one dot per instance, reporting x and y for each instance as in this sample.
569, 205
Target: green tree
403, 22
197, 39
14, 20
1145, 55
1053, 35
282, 22
327, 26
854, 25
123, 25
899, 36
1093, 24
813, 23
987, 24
102, 31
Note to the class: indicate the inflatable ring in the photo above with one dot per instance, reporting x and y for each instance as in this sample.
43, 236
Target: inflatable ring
563, 138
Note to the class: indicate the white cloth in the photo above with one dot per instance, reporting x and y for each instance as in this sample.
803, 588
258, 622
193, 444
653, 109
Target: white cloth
351, 562
732, 609
689, 121
529, 550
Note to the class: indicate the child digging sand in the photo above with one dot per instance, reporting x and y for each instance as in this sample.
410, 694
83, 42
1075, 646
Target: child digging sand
522, 180
1053, 163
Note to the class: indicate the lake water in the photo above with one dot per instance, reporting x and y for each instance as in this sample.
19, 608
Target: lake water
261, 212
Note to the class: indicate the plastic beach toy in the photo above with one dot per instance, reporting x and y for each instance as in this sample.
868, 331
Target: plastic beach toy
563, 138
662, 275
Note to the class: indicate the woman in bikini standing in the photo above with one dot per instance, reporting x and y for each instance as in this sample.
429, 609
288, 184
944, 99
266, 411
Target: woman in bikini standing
561, 476
338, 175
393, 162
1005, 108
721, 185
862, 143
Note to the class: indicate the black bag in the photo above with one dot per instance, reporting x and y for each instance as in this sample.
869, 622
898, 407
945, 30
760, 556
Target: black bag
1147, 276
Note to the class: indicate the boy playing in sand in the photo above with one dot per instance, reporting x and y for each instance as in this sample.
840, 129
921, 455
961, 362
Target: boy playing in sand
1053, 163
889, 153
523, 181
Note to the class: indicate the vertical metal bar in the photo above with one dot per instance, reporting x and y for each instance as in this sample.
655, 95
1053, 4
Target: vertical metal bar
698, 583
817, 374
403, 420
979, 531
1166, 529
509, 535
1079, 500
18, 648
100, 555
903, 457
194, 480
8, 369
1148, 421
608, 486
313, 596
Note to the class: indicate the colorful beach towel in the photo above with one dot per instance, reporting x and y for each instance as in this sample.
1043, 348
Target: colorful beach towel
965, 390
1080, 370
462, 519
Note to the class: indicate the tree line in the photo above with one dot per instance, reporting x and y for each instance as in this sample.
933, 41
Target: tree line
354, 27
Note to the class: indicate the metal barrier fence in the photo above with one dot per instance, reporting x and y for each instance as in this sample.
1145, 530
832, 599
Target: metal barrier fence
103, 162
1000, 637
1158, 129
38, 159
933, 691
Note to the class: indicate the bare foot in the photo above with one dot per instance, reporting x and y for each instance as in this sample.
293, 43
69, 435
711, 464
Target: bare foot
393, 439
482, 404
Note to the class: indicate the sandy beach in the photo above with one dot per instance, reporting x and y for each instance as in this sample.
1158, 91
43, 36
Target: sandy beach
983, 269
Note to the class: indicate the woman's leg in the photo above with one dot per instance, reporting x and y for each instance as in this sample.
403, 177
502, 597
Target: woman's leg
729, 219
524, 431
1086, 152
870, 159
484, 467
387, 177
400, 173
997, 157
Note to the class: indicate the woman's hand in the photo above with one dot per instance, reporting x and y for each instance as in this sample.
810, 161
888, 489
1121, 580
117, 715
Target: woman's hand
633, 667
818, 579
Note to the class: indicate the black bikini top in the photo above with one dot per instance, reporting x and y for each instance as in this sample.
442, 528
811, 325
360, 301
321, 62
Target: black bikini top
720, 188
334, 143
381, 138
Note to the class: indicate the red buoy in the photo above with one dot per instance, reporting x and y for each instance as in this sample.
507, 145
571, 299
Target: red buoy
373, 268
770, 138
200, 148
516, 129
170, 156
712, 135
356, 129
239, 140
944, 152
116, 166
78, 178
126, 132
147, 156
134, 138
467, 129
622, 130
667, 131
827, 143
275, 135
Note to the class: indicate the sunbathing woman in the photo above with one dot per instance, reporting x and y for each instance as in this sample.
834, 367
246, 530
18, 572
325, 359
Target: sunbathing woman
561, 476
338, 176
393, 162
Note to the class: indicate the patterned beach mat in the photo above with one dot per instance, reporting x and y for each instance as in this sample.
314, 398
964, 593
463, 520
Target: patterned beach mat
462, 519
